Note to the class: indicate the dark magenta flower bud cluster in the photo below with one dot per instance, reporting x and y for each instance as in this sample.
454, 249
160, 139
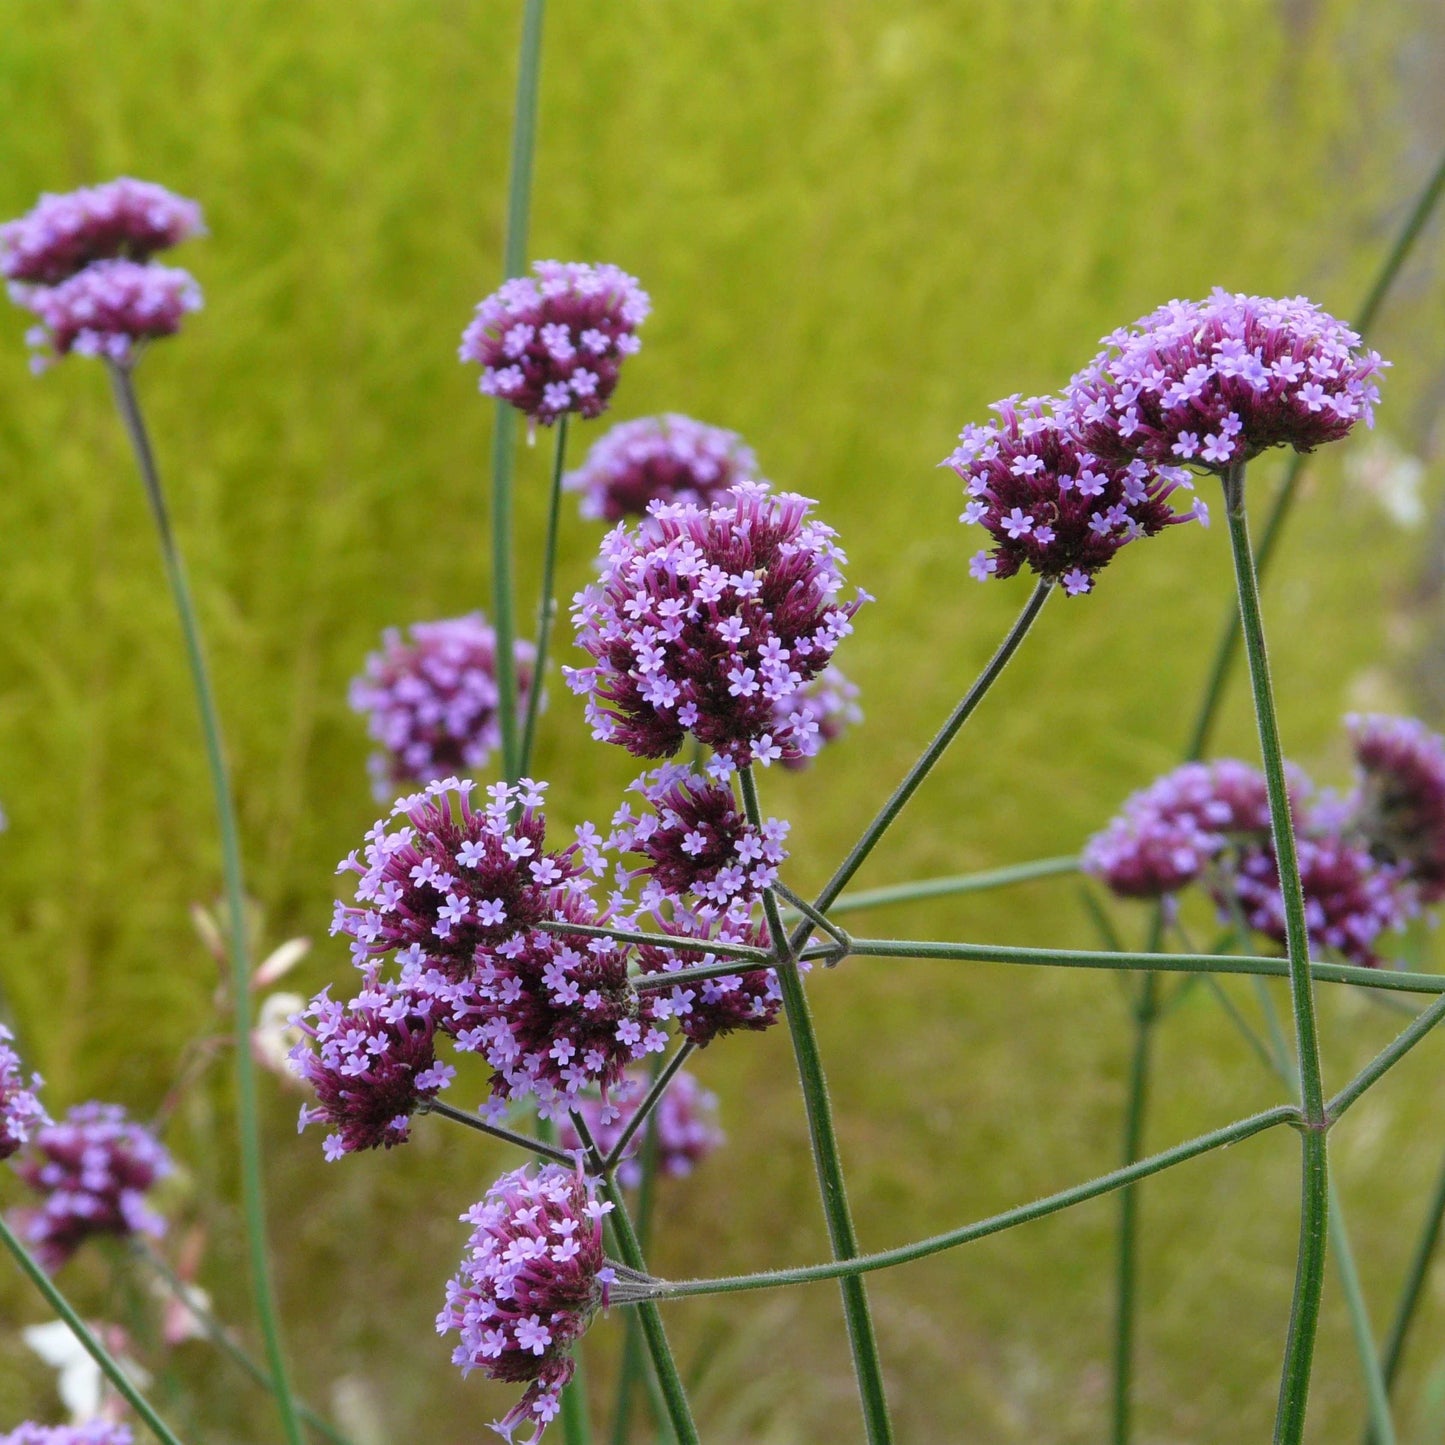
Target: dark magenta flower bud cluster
553, 343
1214, 383
532, 1278
21, 1112
1368, 861
669, 458
94, 1169
92, 1432
81, 262
683, 1123
431, 700
705, 619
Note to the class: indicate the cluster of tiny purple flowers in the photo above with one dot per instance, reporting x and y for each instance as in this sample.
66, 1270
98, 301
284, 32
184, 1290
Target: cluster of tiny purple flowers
532, 1278
93, 1432
431, 699
683, 1123
705, 619
668, 458
827, 707
1214, 383
81, 263
94, 1169
21, 1112
1368, 861
553, 343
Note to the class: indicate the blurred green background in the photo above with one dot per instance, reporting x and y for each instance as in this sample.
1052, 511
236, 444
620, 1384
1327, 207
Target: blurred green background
859, 224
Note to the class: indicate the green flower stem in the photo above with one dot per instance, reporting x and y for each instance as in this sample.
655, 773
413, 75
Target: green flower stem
995, 1224
947, 887
222, 1339
806, 909
1382, 1426
658, 940
1384, 1061
1146, 1014
1314, 1200
514, 247
30, 1267
538, 1146
643, 1114
931, 754
826, 1159
237, 944
679, 1412
1414, 1286
547, 606
1229, 637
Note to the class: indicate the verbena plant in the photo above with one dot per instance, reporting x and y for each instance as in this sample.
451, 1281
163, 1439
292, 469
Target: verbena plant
586, 974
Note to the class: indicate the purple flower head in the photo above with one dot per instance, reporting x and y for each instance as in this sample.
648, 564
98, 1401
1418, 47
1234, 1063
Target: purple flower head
1350, 899
554, 344
555, 1013
432, 700
1214, 383
372, 1063
705, 619
93, 1432
21, 1112
1399, 803
822, 710
667, 458
1050, 503
94, 1169
748, 999
529, 1284
62, 234
107, 309
685, 1120
451, 878
696, 839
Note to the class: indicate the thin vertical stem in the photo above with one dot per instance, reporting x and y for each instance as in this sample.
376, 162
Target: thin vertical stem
826, 1159
110, 1368
1382, 1426
547, 606
1314, 1182
519, 206
1415, 1278
237, 943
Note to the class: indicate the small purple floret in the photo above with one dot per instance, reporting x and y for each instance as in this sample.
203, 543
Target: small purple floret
705, 619
821, 710
93, 1432
1399, 801
431, 697
21, 1112
555, 344
532, 1278
94, 1169
667, 458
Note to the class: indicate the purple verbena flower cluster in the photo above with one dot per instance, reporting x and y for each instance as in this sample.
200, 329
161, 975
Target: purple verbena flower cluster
1050, 503
685, 1121
532, 1278
1399, 798
93, 1432
1214, 383
93, 1169
825, 708
555, 344
372, 1062
697, 842
669, 458
431, 697
21, 1112
705, 619
62, 234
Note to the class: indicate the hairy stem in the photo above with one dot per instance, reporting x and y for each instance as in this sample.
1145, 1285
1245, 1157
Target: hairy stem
237, 943
547, 606
826, 1158
539, 1146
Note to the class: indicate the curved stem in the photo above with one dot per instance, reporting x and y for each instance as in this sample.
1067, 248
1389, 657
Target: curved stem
237, 943
995, 1224
826, 1158
1314, 1174
547, 606
542, 1147
92, 1346
519, 205
931, 754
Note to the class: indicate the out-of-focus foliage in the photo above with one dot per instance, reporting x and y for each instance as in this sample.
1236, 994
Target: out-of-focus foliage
859, 224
